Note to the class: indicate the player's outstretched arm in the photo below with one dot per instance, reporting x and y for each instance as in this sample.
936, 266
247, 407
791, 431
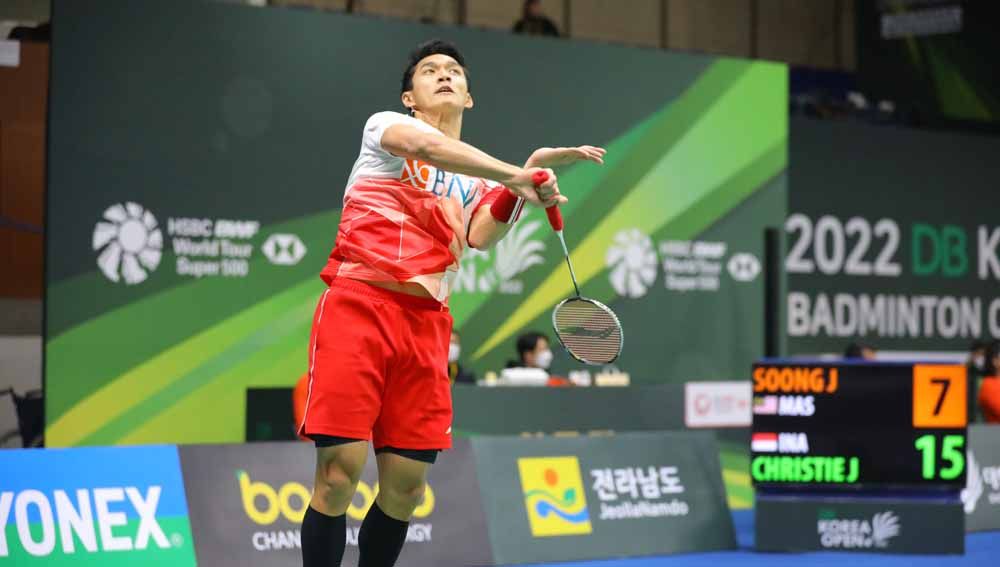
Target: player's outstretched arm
485, 231
458, 157
554, 157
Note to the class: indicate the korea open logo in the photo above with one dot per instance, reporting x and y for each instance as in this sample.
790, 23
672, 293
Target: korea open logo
128, 242
284, 249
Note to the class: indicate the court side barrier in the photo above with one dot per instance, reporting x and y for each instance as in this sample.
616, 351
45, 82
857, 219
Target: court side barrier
981, 497
489, 500
247, 503
592, 497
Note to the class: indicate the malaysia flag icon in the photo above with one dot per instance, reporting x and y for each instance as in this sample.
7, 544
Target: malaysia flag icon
765, 405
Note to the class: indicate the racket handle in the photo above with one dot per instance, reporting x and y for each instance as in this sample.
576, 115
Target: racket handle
555, 216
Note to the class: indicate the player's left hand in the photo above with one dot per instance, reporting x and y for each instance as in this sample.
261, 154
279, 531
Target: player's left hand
553, 157
543, 195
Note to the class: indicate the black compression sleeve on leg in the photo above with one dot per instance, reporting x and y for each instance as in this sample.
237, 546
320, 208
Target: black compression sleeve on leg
323, 539
381, 539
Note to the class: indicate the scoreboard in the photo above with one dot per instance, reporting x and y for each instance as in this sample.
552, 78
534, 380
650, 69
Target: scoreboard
858, 425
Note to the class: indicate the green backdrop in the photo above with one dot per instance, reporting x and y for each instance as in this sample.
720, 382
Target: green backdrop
231, 131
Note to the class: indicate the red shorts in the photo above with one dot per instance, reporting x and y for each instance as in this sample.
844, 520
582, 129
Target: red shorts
378, 368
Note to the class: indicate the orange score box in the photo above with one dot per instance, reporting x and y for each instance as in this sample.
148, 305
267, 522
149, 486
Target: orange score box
939, 396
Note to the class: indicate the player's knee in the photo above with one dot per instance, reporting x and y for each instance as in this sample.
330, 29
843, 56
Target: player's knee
338, 477
335, 486
404, 497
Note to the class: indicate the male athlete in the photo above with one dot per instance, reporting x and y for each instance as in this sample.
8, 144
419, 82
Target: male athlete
417, 196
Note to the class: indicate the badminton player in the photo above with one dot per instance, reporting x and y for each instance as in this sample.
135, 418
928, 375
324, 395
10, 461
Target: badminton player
415, 199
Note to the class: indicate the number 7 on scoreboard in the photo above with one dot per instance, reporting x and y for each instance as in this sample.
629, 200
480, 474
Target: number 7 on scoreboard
939, 396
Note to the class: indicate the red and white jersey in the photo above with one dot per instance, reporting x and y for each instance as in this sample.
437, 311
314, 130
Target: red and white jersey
403, 220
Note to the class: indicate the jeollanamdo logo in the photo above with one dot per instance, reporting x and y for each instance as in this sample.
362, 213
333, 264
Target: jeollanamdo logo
280, 511
554, 496
849, 533
128, 242
635, 492
496, 270
632, 262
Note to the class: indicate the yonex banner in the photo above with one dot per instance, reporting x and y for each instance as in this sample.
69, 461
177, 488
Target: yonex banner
571, 498
882, 525
247, 503
95, 506
981, 497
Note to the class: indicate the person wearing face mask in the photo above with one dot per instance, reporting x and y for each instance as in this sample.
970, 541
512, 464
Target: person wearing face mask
455, 371
532, 365
534, 352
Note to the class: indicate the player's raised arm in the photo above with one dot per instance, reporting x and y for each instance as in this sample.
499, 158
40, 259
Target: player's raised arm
554, 157
487, 228
456, 156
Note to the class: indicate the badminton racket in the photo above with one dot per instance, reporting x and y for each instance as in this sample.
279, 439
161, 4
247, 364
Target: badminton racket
587, 328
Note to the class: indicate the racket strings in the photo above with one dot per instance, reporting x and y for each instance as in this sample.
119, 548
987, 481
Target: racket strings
591, 332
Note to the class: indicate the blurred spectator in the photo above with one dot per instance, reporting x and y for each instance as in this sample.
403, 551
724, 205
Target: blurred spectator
989, 389
532, 352
975, 371
534, 22
455, 371
532, 364
977, 357
858, 351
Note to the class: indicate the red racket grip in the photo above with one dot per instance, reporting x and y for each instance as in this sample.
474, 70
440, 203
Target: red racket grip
555, 216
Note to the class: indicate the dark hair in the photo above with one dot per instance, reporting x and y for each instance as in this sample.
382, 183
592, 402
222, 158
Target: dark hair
528, 342
527, 4
855, 350
992, 351
426, 49
979, 344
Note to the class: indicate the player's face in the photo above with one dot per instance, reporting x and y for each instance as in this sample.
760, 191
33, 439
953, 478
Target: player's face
439, 84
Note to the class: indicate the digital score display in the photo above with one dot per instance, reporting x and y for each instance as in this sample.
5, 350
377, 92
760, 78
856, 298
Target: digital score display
861, 424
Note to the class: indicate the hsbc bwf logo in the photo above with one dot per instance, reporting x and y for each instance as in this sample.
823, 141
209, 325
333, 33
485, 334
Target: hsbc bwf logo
284, 249
128, 242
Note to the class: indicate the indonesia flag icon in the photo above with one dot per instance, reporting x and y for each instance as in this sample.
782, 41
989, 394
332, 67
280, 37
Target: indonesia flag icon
764, 443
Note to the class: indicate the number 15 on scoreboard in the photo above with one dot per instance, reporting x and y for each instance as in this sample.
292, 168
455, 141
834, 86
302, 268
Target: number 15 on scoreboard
939, 401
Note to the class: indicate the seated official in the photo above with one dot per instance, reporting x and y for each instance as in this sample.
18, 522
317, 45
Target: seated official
531, 368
